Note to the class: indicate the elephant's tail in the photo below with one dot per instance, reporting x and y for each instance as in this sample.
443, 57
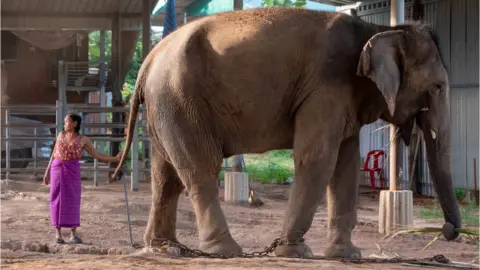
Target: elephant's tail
137, 99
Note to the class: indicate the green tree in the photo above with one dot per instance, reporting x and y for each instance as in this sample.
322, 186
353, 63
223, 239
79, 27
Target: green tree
284, 3
94, 56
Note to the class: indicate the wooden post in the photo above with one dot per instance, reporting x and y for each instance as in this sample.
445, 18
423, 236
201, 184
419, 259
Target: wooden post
237, 161
146, 47
395, 206
101, 75
95, 167
117, 83
412, 179
61, 86
393, 158
236, 188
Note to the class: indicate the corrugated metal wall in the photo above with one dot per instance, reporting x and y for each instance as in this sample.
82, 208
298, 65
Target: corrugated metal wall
464, 55
457, 25
376, 136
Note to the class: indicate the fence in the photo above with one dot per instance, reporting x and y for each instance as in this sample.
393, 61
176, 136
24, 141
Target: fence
12, 134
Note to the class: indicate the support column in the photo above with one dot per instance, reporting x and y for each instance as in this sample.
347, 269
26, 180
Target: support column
117, 52
101, 73
146, 47
237, 161
396, 206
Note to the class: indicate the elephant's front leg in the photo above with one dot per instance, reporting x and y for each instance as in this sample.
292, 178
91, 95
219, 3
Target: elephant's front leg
313, 170
342, 195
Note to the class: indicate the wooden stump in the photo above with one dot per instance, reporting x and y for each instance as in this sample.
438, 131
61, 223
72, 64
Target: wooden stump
236, 188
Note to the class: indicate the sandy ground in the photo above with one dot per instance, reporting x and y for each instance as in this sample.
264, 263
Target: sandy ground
27, 238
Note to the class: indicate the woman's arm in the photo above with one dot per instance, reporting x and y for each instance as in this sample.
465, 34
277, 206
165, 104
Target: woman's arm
47, 172
94, 153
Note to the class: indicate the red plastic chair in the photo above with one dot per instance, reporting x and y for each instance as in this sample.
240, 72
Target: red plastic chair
376, 154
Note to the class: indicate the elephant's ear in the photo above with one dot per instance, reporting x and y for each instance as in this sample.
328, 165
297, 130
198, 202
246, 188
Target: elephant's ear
382, 60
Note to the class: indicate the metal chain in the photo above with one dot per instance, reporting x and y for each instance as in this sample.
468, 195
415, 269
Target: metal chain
164, 244
189, 252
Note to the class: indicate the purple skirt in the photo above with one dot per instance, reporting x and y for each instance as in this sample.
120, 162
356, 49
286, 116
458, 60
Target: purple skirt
65, 193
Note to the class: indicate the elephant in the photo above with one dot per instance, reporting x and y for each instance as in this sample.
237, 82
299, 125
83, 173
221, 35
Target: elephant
262, 79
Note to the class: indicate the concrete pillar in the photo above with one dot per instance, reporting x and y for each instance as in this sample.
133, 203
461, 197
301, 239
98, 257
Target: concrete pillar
236, 188
395, 206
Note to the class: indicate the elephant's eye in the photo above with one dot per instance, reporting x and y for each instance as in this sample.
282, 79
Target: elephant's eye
436, 89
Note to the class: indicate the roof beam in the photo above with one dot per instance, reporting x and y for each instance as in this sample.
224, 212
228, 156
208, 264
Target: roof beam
336, 2
69, 14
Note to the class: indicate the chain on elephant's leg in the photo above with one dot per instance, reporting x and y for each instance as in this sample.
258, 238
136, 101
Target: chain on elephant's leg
342, 195
166, 189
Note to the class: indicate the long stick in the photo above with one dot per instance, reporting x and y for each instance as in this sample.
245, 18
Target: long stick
412, 171
475, 173
475, 179
126, 206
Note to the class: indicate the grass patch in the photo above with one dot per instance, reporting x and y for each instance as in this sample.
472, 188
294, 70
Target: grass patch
469, 213
273, 167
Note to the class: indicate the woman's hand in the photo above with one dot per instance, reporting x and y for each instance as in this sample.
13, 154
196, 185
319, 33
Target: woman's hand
118, 157
46, 179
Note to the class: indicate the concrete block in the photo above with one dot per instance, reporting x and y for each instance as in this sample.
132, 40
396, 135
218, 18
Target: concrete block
395, 211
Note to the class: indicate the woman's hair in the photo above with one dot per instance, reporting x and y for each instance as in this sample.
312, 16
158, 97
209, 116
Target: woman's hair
76, 118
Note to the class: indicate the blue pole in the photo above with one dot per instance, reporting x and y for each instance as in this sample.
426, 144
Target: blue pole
170, 22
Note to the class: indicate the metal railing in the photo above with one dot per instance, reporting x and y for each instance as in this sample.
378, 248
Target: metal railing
59, 111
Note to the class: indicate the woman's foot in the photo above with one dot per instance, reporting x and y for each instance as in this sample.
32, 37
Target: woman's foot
58, 236
60, 240
76, 240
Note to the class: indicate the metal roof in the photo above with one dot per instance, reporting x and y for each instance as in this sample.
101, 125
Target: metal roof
70, 14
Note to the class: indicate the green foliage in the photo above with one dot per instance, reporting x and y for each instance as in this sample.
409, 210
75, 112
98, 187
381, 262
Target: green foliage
469, 212
136, 62
460, 193
94, 46
271, 167
284, 3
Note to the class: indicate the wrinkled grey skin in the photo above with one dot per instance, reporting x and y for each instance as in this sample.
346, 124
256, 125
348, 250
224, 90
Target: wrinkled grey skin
263, 79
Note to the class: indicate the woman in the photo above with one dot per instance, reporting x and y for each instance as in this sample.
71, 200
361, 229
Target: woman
64, 172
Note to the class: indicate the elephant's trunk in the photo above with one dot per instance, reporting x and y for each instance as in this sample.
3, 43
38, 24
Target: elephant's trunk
436, 129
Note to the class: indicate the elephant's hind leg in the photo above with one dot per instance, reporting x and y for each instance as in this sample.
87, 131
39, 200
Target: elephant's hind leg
342, 195
166, 188
197, 157
214, 234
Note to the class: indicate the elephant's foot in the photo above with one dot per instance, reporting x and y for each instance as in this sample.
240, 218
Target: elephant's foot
224, 245
155, 242
297, 249
344, 250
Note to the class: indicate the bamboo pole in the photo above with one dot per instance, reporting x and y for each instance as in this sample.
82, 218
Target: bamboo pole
393, 158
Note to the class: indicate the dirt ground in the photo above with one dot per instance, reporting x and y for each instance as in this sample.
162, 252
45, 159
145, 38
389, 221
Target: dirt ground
27, 238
